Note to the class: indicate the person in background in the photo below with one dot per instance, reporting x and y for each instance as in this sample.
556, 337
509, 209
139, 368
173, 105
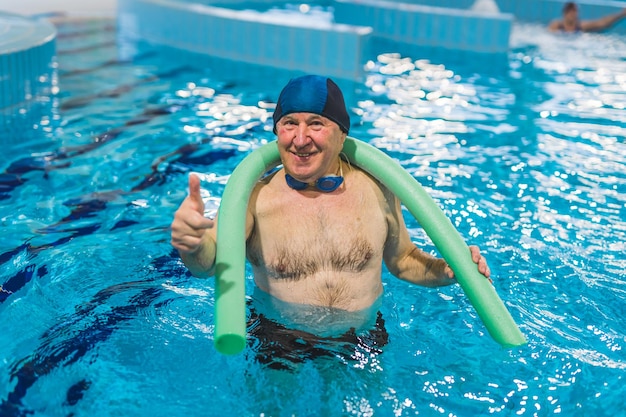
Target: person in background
572, 23
319, 228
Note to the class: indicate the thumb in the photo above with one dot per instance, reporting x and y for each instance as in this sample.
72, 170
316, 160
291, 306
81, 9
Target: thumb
194, 193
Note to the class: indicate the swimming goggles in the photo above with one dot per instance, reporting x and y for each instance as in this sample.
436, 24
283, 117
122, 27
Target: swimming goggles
325, 184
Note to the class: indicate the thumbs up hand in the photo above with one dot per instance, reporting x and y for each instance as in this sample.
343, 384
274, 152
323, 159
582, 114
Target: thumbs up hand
189, 225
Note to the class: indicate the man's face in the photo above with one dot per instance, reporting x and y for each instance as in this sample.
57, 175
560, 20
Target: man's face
571, 16
309, 145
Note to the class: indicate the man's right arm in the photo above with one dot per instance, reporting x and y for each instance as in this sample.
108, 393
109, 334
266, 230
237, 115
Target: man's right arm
193, 235
201, 263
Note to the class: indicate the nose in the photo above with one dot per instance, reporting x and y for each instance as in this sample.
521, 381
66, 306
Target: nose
301, 137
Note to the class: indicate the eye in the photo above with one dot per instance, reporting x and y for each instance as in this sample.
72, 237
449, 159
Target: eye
316, 124
288, 123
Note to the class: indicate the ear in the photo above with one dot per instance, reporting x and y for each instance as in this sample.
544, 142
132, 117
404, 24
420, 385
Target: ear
342, 141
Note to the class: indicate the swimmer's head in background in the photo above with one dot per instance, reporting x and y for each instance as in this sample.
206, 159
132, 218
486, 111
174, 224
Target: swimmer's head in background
313, 94
569, 6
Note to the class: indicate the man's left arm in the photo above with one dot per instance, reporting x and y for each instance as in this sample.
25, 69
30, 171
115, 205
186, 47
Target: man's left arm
406, 261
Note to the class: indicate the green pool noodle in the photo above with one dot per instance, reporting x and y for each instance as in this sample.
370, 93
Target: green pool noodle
230, 256
230, 306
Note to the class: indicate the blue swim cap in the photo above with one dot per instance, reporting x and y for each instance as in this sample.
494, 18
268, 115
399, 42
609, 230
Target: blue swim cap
313, 94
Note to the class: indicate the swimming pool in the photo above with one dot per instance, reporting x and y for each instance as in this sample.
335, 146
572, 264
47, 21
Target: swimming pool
99, 317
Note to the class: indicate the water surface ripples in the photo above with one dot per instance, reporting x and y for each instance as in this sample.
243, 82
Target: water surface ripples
99, 316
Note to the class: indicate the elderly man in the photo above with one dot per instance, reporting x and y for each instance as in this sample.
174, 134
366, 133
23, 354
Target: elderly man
318, 229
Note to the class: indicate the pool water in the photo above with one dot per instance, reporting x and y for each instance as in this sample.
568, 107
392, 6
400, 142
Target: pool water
100, 317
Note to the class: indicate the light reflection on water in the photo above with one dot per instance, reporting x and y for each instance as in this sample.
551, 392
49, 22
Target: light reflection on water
529, 164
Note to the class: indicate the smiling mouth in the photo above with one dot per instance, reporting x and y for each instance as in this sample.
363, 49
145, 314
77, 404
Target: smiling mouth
303, 154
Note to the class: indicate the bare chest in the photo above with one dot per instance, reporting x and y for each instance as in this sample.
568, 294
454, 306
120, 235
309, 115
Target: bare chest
299, 236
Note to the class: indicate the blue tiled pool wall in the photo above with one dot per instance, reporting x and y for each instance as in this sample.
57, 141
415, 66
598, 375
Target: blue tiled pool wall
453, 28
34, 66
246, 37
27, 73
428, 26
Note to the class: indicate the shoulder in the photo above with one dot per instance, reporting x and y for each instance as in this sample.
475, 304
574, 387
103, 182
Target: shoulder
261, 188
362, 179
266, 180
555, 25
